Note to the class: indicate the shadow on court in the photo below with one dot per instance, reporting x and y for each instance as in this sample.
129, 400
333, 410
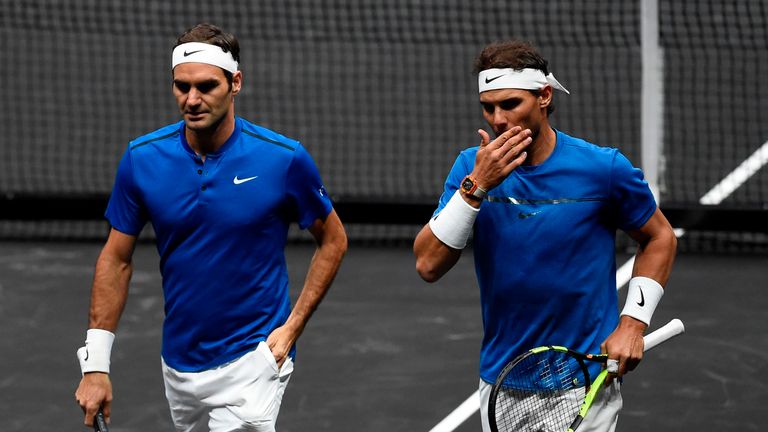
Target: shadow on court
385, 351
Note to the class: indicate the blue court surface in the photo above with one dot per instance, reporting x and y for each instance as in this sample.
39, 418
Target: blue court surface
384, 352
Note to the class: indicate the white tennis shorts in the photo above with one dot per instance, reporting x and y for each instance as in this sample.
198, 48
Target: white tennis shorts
243, 395
602, 416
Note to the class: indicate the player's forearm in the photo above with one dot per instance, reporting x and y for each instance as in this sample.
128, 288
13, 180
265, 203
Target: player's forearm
325, 264
657, 245
654, 258
109, 292
433, 258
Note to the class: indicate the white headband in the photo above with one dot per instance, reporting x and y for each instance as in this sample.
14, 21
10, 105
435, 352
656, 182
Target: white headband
198, 52
526, 79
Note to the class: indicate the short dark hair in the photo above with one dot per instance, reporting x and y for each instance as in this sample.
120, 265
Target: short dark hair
513, 54
210, 34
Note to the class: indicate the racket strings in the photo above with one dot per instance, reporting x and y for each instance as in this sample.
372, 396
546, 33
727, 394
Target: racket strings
541, 393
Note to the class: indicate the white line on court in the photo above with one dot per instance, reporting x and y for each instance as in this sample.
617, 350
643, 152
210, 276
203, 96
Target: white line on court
460, 414
715, 196
737, 177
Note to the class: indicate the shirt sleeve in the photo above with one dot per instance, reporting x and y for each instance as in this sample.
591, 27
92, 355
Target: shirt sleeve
305, 190
125, 212
461, 168
631, 197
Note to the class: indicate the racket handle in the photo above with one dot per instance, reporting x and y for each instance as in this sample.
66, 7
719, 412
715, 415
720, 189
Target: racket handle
99, 423
663, 334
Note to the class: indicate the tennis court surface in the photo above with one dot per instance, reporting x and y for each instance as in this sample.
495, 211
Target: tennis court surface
385, 351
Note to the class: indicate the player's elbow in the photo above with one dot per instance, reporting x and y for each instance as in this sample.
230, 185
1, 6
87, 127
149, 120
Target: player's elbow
342, 244
433, 258
338, 244
428, 270
331, 236
427, 274
667, 241
672, 242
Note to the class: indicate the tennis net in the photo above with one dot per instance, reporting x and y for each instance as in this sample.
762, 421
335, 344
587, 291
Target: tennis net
381, 93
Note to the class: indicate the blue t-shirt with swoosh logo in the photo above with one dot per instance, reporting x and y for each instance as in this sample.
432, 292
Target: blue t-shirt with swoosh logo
221, 227
544, 248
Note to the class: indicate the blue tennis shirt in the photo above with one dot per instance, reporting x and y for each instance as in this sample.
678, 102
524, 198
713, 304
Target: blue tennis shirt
221, 227
544, 248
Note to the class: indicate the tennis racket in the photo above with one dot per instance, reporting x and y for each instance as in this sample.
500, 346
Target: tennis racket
99, 423
549, 388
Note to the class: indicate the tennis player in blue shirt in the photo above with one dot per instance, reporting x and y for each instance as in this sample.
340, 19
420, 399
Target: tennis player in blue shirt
544, 208
220, 193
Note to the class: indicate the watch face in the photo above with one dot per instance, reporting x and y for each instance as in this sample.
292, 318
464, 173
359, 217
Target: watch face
467, 185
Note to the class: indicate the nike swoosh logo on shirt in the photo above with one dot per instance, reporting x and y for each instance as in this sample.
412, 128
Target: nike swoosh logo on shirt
522, 215
238, 181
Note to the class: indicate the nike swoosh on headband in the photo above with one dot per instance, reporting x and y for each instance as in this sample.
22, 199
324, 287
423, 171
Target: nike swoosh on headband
487, 80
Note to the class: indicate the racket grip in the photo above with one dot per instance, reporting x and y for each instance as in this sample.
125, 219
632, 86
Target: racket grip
663, 334
99, 423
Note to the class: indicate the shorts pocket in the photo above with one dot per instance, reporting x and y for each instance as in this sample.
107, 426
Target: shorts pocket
263, 348
285, 372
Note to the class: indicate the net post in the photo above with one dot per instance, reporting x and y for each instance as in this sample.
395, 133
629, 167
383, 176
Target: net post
652, 98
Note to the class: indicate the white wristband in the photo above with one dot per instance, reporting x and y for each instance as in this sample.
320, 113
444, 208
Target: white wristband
453, 224
94, 356
643, 296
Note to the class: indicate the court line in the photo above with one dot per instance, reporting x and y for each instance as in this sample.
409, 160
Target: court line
715, 196
737, 177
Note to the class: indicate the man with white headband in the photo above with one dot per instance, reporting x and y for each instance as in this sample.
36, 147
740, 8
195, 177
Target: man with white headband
543, 208
220, 193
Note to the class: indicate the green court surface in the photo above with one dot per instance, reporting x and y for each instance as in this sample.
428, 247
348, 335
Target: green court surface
384, 352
